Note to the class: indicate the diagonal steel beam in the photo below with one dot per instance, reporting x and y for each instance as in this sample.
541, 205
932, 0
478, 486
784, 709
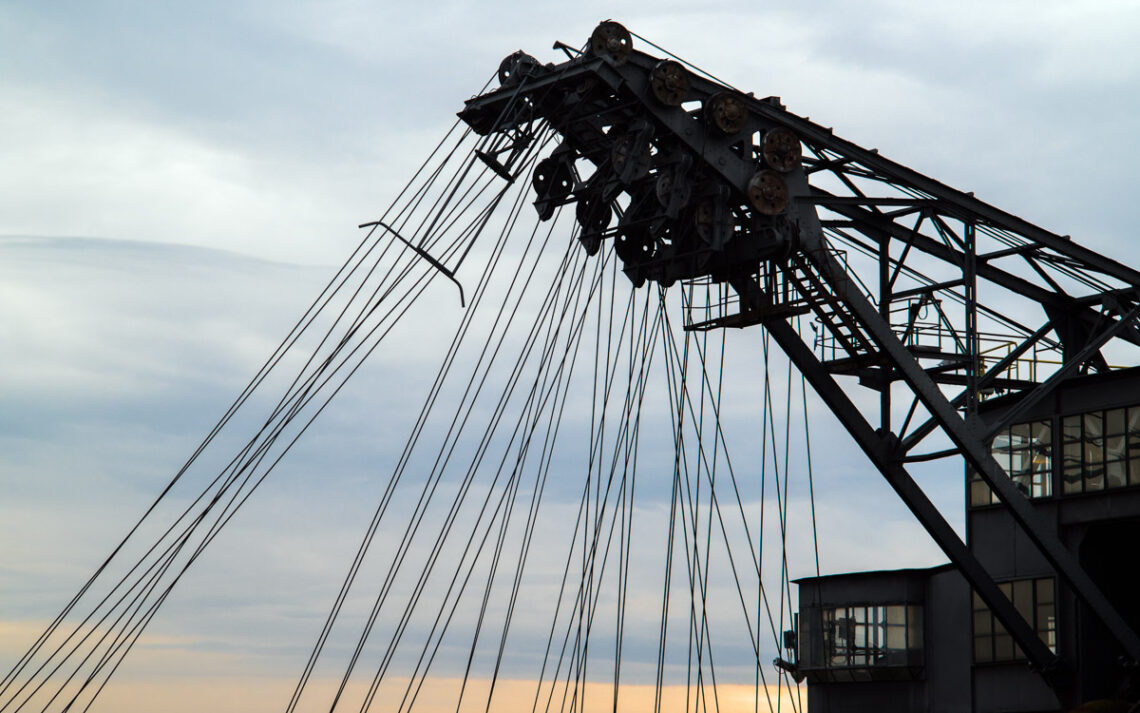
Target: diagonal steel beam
967, 437
881, 449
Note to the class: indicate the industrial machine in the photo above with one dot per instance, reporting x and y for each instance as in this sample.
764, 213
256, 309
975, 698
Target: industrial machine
936, 327
952, 301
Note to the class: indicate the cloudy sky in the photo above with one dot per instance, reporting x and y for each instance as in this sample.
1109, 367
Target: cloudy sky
179, 182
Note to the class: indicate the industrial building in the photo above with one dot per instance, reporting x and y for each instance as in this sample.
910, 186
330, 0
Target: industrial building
918, 639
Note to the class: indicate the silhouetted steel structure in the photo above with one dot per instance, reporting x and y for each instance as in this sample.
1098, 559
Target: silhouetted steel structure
923, 294
935, 326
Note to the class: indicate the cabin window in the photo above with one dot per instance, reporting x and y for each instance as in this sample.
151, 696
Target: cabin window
1100, 450
865, 642
1035, 600
1025, 453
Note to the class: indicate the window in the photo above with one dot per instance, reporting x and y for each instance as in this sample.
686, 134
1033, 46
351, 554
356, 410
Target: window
873, 635
866, 642
1025, 453
1034, 599
1100, 450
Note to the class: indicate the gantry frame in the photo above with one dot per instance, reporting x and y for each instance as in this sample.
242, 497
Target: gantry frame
708, 184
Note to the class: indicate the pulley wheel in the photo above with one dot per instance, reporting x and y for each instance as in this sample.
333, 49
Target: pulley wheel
593, 213
672, 192
781, 149
634, 245
630, 161
712, 222
670, 83
515, 67
725, 112
552, 178
767, 192
610, 39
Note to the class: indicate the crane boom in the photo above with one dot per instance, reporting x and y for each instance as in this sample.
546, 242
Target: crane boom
692, 180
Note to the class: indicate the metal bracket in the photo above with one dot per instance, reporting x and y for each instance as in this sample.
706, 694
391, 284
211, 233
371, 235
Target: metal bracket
422, 253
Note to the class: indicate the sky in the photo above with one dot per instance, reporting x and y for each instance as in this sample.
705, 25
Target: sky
180, 181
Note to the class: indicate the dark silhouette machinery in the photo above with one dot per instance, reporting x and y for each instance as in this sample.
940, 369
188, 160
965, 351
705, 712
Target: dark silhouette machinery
928, 297
938, 329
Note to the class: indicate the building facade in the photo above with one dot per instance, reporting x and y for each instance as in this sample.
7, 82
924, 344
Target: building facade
920, 640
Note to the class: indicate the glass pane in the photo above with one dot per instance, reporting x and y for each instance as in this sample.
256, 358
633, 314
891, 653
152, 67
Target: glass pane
1003, 647
983, 623
1093, 425
896, 637
1022, 483
1019, 462
1114, 448
1044, 620
1000, 451
1072, 480
1071, 455
979, 605
1095, 480
840, 637
1023, 598
1114, 473
1094, 453
1044, 590
1071, 429
1047, 625
983, 649
1114, 422
1019, 435
1133, 420
979, 493
1134, 471
1071, 467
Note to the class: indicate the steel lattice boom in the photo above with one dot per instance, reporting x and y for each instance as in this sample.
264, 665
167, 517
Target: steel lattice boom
925, 294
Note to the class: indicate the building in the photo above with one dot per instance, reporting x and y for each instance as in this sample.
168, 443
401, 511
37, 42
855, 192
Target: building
919, 640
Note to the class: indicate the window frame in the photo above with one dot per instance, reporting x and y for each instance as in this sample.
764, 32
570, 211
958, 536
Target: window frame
1100, 450
1031, 445
865, 651
1035, 598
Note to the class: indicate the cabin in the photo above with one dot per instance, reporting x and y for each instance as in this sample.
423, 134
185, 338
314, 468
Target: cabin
920, 640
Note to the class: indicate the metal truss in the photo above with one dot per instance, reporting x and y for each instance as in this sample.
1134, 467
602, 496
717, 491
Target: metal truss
913, 289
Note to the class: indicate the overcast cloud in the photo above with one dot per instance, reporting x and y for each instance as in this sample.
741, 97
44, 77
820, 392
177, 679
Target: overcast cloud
178, 182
